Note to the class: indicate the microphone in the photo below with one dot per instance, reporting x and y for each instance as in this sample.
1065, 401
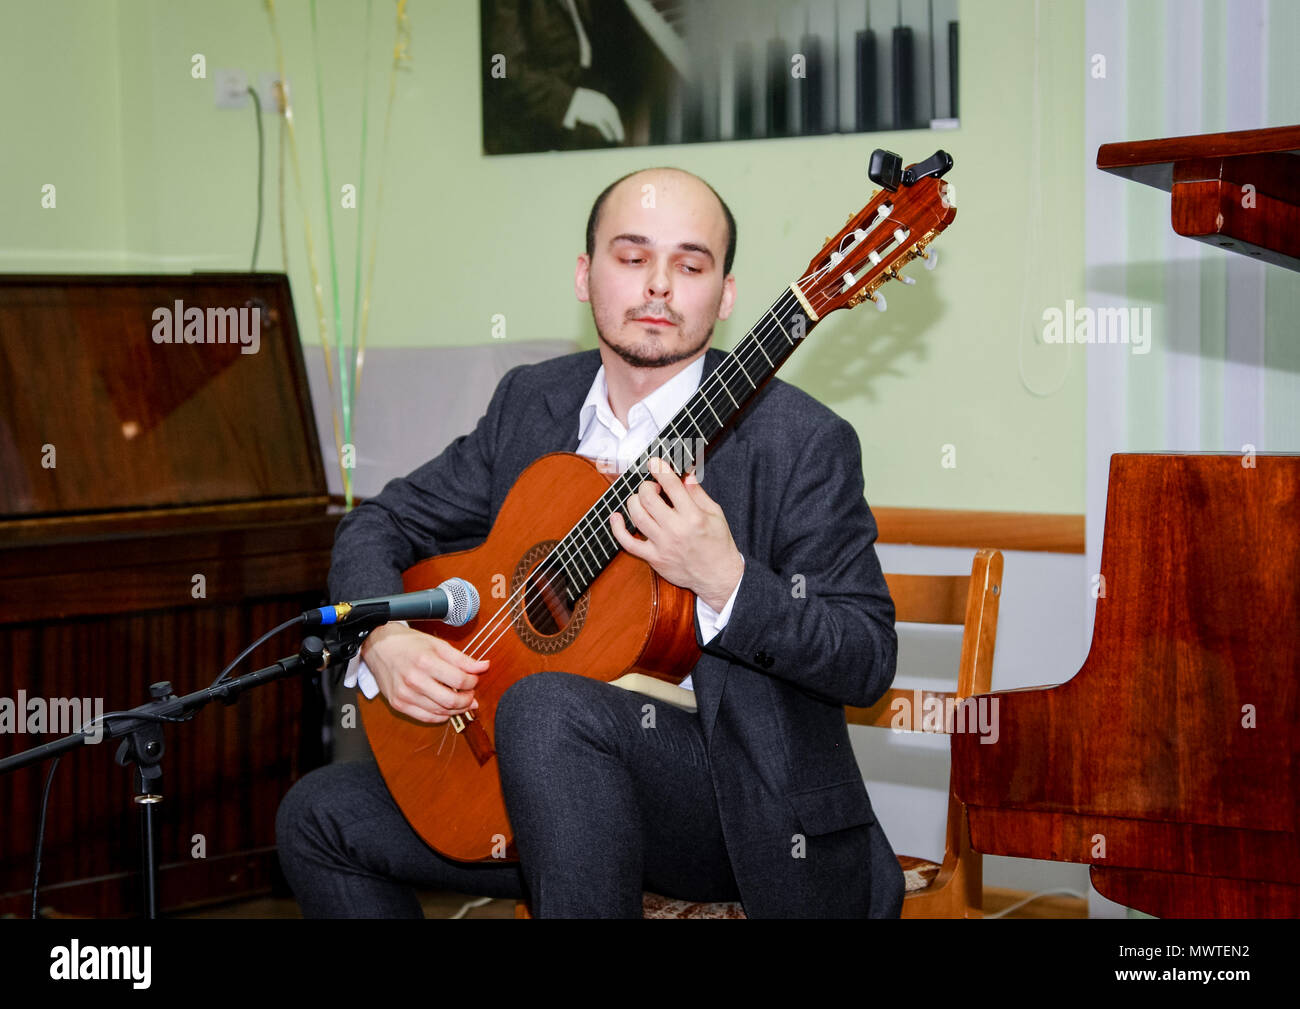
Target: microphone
454, 602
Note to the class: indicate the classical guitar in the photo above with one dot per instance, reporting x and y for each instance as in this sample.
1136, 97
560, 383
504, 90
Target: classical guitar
575, 601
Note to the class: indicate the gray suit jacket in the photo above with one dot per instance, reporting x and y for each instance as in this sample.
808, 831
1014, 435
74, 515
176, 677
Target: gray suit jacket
812, 627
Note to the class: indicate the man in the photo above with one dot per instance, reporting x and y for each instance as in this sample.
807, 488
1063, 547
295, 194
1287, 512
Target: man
559, 74
758, 796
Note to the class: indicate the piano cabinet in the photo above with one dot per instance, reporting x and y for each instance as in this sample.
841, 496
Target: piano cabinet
186, 514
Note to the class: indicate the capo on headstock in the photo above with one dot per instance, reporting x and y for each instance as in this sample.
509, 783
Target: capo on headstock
892, 230
886, 170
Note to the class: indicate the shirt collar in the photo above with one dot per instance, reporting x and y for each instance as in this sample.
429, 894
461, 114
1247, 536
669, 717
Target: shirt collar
663, 404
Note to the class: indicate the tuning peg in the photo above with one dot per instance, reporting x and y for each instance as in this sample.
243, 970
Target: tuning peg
909, 281
931, 257
879, 299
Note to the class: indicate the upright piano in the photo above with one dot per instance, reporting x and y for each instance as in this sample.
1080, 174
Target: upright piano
162, 503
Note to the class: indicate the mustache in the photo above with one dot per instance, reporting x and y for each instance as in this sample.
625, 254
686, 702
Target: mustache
656, 310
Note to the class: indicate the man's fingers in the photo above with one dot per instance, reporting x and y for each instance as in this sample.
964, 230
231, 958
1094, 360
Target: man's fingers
435, 697
414, 706
454, 701
468, 669
641, 517
700, 496
625, 539
606, 117
433, 668
672, 485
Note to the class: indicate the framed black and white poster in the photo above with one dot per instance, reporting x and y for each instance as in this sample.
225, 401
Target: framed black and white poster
583, 74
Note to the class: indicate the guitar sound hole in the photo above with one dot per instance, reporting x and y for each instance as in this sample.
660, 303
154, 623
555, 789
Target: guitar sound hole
545, 621
546, 599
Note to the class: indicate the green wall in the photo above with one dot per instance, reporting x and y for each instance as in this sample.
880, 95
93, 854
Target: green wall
151, 176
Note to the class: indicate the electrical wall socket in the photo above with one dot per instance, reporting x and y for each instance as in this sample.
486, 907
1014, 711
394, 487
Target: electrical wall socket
231, 88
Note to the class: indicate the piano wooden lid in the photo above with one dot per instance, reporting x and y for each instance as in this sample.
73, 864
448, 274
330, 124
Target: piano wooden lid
100, 413
1237, 191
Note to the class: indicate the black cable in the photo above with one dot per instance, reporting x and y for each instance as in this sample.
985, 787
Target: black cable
49, 780
257, 236
145, 717
40, 834
245, 653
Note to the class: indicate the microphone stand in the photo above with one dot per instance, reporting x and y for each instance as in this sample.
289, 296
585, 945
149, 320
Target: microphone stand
141, 728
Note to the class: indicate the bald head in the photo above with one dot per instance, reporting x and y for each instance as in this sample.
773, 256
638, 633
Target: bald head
665, 180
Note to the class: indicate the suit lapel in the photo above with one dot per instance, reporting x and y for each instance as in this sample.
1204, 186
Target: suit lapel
724, 467
565, 400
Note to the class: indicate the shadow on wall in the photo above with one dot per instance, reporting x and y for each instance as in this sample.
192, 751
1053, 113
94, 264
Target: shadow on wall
853, 353
1160, 284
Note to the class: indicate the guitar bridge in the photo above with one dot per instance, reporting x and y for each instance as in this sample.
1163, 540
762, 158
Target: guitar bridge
475, 735
458, 722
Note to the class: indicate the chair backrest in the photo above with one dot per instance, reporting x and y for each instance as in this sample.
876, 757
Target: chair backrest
955, 887
970, 601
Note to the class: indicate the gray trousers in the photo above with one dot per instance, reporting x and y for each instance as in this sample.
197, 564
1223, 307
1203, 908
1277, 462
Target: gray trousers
602, 808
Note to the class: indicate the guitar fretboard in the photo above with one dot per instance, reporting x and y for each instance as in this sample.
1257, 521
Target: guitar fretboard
590, 545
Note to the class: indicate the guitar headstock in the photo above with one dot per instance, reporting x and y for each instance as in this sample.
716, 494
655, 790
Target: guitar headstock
896, 227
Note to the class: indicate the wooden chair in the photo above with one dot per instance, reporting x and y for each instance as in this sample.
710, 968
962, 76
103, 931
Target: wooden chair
953, 888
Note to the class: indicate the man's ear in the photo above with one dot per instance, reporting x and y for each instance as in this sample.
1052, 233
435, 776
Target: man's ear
728, 301
580, 277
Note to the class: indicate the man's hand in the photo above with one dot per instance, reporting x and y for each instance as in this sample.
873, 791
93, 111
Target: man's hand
420, 675
689, 543
594, 109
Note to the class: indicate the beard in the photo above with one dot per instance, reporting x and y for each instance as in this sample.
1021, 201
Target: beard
649, 351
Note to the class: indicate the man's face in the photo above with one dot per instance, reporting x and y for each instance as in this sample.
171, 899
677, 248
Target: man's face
655, 279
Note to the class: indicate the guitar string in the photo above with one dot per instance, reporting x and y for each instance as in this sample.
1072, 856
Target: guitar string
851, 238
505, 617
510, 610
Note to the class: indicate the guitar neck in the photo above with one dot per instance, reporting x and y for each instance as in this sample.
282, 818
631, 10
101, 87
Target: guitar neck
722, 396
726, 392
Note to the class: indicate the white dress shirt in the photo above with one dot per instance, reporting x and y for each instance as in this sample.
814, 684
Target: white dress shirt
601, 435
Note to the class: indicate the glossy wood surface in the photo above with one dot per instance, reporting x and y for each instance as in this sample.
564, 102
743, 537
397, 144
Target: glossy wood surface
1175, 748
956, 527
136, 424
1237, 191
172, 462
635, 622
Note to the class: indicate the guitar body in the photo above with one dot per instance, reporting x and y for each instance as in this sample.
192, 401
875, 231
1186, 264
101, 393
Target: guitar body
630, 620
